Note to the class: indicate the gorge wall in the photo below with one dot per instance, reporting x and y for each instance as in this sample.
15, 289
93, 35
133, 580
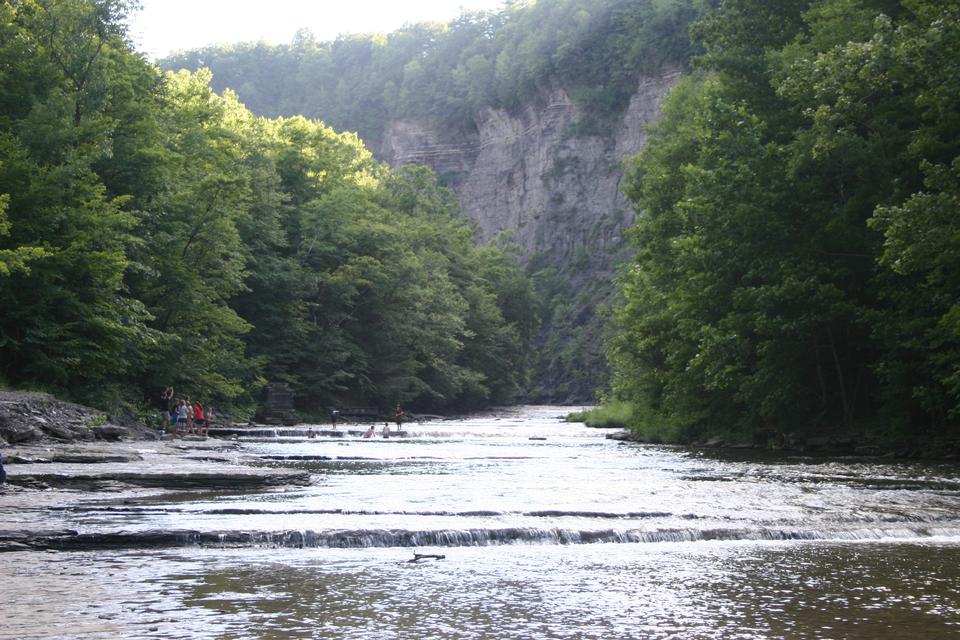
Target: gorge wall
556, 194
530, 174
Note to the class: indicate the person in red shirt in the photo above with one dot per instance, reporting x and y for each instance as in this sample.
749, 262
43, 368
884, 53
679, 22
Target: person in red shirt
199, 420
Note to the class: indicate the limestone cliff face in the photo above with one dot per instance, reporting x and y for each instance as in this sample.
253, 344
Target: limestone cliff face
530, 174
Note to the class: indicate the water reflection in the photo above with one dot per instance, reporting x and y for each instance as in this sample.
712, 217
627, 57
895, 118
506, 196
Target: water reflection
681, 591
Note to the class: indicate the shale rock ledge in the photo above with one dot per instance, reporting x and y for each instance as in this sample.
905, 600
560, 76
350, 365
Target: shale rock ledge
27, 417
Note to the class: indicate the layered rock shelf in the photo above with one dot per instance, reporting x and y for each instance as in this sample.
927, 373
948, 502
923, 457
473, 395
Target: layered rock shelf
173, 465
47, 479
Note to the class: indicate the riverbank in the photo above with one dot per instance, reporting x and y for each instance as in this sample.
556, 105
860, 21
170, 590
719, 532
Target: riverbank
839, 445
54, 477
57, 454
852, 442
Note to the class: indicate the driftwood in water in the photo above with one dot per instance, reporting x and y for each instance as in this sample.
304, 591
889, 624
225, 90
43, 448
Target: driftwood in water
423, 556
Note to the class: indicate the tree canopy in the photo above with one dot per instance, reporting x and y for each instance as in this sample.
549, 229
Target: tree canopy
797, 247
153, 232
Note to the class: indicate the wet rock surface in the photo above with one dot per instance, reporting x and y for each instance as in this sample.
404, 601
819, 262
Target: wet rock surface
45, 480
202, 464
27, 417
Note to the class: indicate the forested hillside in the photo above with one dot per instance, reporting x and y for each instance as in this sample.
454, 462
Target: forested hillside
446, 72
798, 265
526, 113
153, 232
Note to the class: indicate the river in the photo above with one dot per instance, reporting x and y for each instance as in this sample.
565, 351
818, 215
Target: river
548, 530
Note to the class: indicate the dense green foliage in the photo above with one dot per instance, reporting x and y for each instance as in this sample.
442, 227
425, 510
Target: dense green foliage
448, 72
797, 264
154, 233
446, 75
610, 414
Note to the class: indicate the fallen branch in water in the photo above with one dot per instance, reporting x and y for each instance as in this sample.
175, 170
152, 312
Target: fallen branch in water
423, 556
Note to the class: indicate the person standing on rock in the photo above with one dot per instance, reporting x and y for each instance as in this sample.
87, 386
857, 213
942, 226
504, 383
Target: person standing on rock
199, 420
3, 473
182, 418
166, 400
171, 404
398, 416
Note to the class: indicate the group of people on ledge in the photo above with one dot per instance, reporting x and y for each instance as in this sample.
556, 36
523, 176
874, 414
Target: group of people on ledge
398, 414
186, 416
190, 418
369, 433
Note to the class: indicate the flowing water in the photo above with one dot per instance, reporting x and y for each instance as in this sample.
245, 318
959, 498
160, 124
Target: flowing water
548, 530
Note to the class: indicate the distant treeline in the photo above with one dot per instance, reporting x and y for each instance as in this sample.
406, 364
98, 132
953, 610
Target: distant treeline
153, 232
446, 72
798, 263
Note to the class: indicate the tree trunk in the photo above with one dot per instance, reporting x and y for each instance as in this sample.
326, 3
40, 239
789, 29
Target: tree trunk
847, 410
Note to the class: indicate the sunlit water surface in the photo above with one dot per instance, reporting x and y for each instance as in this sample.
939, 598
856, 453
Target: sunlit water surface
548, 531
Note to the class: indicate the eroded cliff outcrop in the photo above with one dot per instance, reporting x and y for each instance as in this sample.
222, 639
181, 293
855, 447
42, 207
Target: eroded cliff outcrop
531, 174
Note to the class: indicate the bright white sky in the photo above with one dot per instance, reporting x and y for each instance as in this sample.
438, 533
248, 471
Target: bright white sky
163, 26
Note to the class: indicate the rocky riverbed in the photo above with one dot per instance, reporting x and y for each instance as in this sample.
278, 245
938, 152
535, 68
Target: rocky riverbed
58, 455
45, 480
